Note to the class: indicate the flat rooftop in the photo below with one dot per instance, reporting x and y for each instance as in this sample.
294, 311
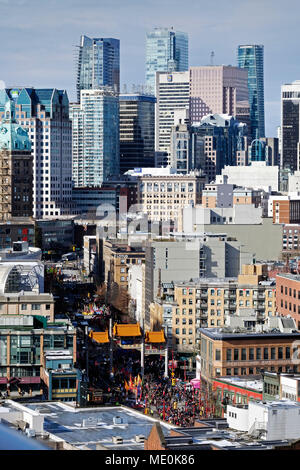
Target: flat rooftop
86, 427
248, 383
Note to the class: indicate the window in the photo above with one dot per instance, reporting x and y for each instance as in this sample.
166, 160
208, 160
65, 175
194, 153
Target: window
266, 353
35, 306
228, 354
218, 354
244, 356
251, 354
280, 353
236, 355
258, 353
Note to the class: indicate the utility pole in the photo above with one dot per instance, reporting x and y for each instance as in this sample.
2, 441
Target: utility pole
87, 353
110, 348
142, 349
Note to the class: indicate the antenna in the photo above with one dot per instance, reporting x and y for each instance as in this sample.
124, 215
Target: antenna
212, 55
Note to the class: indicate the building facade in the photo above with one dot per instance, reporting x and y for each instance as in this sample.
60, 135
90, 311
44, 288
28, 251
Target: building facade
163, 197
98, 64
173, 96
44, 113
251, 58
217, 89
16, 168
225, 353
166, 51
95, 127
290, 122
137, 136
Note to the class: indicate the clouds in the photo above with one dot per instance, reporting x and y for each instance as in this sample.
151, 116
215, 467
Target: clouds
38, 37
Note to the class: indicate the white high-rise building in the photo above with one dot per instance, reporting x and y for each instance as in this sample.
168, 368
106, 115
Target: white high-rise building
172, 94
96, 141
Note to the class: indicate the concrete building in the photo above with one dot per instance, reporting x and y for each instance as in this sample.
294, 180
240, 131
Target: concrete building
273, 420
44, 113
211, 302
178, 260
137, 131
216, 89
17, 229
90, 254
136, 290
290, 119
260, 174
172, 94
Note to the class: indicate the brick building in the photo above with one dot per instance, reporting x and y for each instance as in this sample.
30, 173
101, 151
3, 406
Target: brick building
225, 352
288, 295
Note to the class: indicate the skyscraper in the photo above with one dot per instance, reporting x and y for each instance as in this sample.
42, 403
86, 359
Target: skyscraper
290, 123
137, 125
44, 113
98, 64
217, 89
251, 58
173, 96
166, 51
96, 150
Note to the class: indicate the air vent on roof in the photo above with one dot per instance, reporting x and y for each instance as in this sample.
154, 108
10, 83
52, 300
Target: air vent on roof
139, 438
117, 440
117, 420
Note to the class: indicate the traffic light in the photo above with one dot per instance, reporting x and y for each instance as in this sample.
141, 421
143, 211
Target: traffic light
173, 382
175, 405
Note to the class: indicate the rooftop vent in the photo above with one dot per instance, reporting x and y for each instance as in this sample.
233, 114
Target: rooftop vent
117, 420
117, 440
139, 438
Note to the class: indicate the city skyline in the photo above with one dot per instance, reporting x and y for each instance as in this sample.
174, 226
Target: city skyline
246, 22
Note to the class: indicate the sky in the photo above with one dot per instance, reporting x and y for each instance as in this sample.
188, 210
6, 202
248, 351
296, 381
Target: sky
38, 38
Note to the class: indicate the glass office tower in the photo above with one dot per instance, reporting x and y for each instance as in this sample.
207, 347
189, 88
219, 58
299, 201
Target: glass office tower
251, 57
166, 51
98, 64
137, 125
96, 149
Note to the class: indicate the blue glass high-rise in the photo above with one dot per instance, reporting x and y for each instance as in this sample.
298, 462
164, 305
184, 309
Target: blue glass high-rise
166, 51
98, 64
251, 57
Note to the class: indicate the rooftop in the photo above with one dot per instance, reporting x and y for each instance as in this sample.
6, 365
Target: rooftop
86, 427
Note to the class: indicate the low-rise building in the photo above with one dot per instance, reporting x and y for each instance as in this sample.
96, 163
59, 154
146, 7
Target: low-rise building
288, 295
227, 351
23, 341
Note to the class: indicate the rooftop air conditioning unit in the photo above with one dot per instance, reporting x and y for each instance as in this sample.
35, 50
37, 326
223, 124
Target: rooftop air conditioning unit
139, 438
117, 440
